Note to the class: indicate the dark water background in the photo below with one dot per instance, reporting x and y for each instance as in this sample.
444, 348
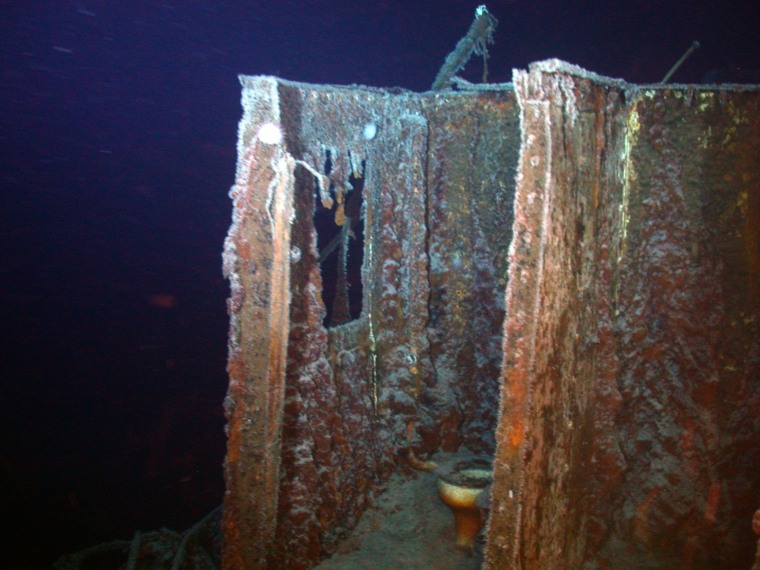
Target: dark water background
117, 148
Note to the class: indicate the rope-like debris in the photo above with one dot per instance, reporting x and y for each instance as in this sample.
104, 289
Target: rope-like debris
164, 549
192, 533
476, 41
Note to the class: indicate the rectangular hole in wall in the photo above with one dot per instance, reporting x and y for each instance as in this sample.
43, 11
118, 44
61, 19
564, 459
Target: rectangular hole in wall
340, 240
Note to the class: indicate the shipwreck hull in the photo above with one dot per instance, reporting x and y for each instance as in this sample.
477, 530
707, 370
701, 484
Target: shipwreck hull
562, 272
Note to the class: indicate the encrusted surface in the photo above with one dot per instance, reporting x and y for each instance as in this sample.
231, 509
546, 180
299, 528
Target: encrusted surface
628, 427
256, 261
419, 368
688, 324
474, 141
628, 422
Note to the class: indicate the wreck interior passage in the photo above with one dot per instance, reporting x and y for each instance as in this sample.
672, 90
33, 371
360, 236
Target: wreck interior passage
519, 274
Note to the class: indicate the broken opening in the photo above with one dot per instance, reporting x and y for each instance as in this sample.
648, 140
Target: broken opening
340, 240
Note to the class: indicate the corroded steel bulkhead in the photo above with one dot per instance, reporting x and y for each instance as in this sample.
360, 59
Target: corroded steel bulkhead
562, 272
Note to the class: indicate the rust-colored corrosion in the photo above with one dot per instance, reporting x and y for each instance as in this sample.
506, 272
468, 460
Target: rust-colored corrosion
628, 431
473, 150
256, 263
360, 396
607, 355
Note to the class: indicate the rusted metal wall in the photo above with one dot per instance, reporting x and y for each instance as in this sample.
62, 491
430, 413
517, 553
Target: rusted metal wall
338, 433
628, 433
312, 439
473, 148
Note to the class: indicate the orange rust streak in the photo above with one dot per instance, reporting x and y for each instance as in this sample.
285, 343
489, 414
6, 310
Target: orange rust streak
713, 498
233, 445
517, 434
280, 300
515, 400
641, 526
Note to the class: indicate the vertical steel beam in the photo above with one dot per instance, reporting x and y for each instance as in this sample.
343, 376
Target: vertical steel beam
257, 263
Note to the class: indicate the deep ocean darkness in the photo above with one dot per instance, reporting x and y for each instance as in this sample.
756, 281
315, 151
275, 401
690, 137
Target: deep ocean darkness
118, 126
